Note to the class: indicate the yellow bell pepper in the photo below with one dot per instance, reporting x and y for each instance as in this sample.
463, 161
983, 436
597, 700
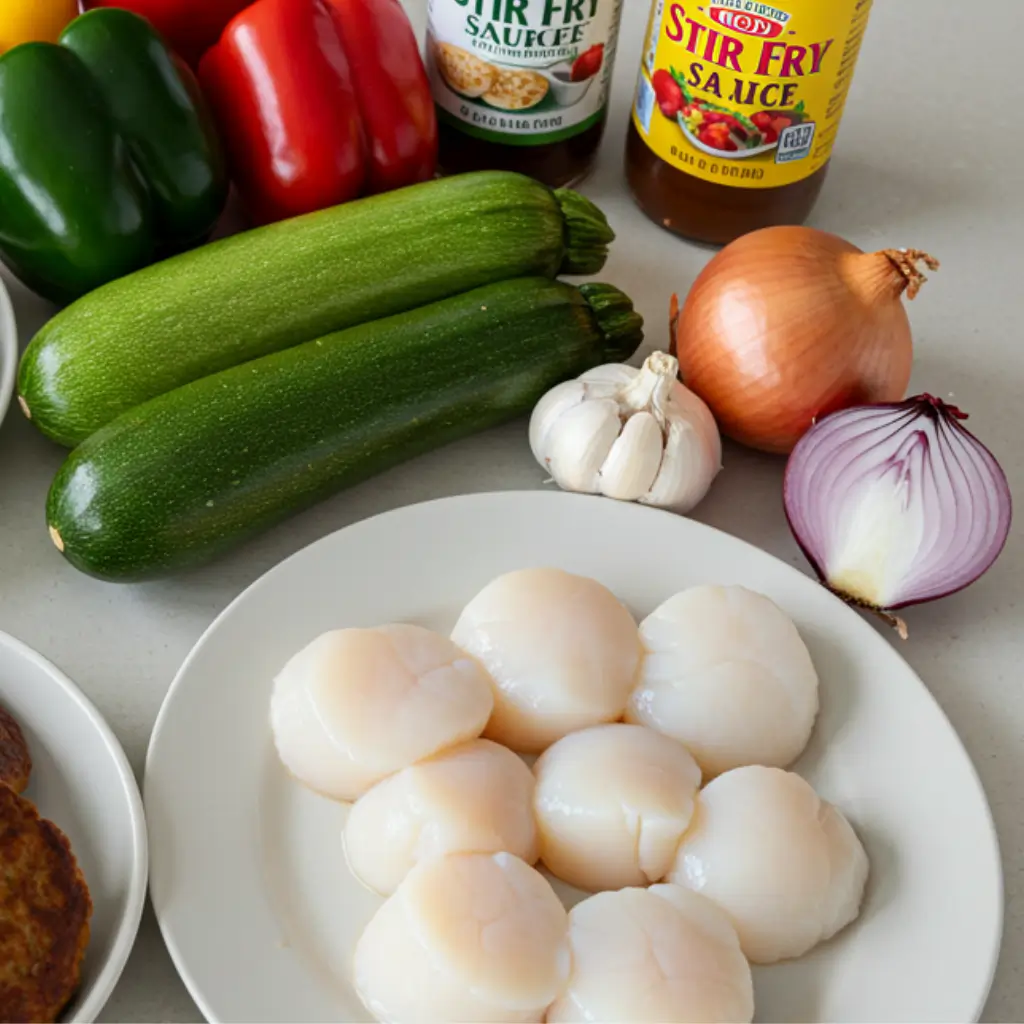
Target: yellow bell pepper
24, 21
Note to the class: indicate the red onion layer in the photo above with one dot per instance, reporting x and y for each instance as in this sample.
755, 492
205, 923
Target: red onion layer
896, 504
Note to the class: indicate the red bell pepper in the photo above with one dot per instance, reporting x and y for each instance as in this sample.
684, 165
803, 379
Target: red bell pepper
191, 27
281, 88
393, 90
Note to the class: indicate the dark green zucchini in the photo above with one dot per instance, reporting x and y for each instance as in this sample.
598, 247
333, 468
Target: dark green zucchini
177, 480
284, 284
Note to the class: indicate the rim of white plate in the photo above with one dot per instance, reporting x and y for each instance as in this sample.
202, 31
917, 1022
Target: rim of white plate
124, 941
178, 958
8, 350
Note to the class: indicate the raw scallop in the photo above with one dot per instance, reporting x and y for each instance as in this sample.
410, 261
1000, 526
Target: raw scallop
466, 938
562, 650
727, 675
357, 705
475, 798
784, 864
654, 955
612, 804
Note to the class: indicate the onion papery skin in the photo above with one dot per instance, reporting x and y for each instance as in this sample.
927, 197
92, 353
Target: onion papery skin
896, 504
788, 324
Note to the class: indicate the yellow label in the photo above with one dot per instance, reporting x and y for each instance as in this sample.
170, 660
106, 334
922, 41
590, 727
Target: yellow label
745, 93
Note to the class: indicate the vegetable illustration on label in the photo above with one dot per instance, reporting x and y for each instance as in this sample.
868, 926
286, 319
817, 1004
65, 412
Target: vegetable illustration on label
747, 93
588, 63
530, 72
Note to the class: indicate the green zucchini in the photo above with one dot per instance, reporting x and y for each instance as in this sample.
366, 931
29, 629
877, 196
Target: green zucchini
175, 481
277, 286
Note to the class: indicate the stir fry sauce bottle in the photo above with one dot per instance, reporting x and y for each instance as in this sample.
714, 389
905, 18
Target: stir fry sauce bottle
522, 85
737, 108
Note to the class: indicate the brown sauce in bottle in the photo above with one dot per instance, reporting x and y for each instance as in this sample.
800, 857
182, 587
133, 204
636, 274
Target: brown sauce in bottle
737, 108
522, 85
556, 164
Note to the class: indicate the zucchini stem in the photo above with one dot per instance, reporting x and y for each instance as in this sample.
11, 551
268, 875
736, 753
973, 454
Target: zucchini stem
587, 233
621, 325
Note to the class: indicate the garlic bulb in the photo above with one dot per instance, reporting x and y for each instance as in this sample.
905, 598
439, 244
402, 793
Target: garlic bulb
633, 435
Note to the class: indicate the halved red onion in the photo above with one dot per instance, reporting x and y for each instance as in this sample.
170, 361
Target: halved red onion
896, 504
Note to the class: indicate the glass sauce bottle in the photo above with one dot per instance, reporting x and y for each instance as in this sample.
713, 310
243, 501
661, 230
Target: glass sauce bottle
737, 108
522, 85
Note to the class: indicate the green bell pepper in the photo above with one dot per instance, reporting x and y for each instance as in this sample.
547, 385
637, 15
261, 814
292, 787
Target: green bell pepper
108, 157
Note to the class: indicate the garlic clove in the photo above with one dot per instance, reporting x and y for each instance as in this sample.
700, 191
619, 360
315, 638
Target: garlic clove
576, 451
691, 462
693, 453
632, 465
549, 410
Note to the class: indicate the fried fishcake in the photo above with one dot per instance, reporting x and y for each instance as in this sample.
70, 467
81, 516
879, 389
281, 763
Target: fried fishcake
466, 73
517, 89
15, 760
44, 914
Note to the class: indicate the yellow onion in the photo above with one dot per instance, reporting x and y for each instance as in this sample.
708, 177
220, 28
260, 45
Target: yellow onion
788, 324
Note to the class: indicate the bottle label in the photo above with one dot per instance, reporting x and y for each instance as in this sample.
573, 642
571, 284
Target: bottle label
744, 93
522, 72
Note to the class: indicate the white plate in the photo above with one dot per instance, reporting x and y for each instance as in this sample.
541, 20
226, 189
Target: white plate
82, 782
248, 879
8, 350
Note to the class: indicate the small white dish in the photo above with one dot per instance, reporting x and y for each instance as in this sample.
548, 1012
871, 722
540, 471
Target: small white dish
8, 351
566, 92
81, 781
249, 882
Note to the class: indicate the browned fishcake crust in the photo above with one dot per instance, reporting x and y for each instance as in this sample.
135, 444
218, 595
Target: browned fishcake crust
44, 914
15, 761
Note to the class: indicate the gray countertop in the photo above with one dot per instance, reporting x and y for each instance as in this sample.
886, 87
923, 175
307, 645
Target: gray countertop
928, 157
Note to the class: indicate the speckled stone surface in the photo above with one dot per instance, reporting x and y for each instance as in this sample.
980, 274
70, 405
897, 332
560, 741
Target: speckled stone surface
928, 157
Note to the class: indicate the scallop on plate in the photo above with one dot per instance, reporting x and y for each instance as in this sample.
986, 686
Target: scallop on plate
276, 908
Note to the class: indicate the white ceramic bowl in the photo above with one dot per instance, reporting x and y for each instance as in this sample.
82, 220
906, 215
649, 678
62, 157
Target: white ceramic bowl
8, 350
